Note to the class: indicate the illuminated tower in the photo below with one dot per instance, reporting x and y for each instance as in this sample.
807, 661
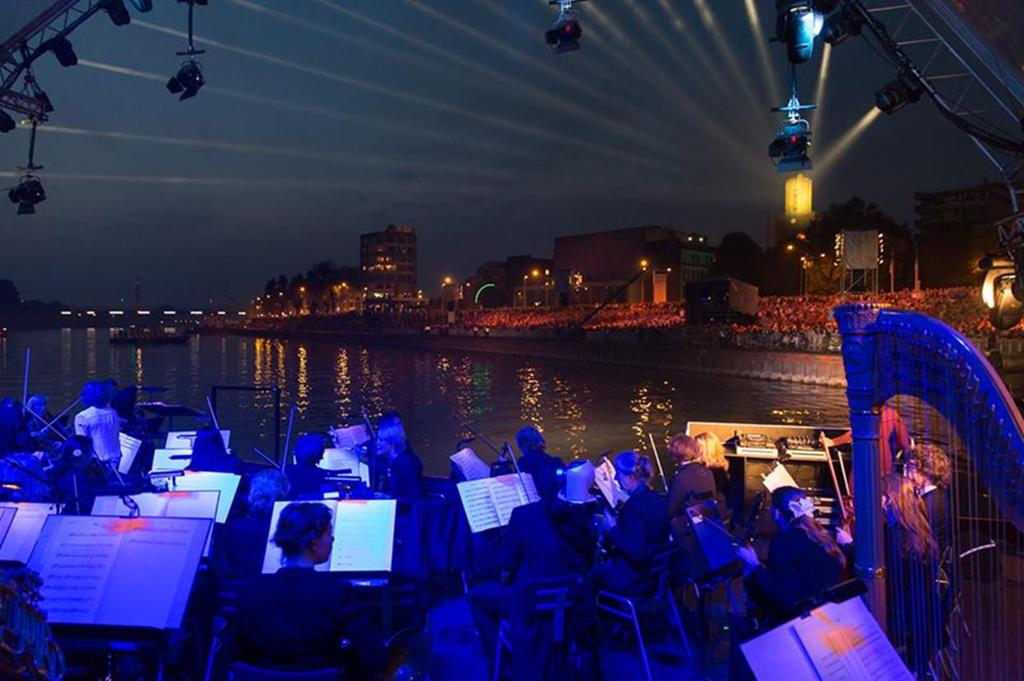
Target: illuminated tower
798, 208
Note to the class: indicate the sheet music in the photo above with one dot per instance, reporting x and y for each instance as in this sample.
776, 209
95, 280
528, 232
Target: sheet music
184, 439
845, 643
178, 504
163, 461
349, 438
118, 571
340, 459
129, 450
24, 529
364, 535
507, 493
478, 504
779, 477
604, 477
6, 520
224, 483
74, 558
470, 464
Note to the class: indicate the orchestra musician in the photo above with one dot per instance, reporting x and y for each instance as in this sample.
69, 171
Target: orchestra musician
641, 525
693, 484
712, 455
803, 559
239, 544
893, 438
99, 422
534, 459
298, 619
305, 477
210, 454
404, 469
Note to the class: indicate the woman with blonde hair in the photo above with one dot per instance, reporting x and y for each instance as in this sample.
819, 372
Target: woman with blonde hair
712, 455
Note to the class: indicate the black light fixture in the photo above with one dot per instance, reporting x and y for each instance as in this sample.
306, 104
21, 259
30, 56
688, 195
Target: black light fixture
564, 35
841, 25
27, 194
187, 81
6, 122
62, 50
905, 89
789, 148
117, 12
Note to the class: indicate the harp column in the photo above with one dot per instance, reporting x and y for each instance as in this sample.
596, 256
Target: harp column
857, 325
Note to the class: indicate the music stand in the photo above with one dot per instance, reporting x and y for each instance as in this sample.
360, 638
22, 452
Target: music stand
169, 411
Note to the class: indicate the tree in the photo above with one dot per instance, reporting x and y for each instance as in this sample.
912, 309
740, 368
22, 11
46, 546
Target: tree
739, 256
10, 298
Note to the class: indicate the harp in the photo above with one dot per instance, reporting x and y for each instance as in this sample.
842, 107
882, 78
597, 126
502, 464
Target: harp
939, 494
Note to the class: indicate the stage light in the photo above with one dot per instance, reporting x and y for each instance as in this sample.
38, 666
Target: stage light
6, 122
187, 81
118, 13
789, 148
905, 89
27, 194
564, 35
797, 24
841, 25
62, 50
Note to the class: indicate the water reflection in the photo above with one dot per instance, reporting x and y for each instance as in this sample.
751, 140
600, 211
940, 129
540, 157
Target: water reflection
584, 409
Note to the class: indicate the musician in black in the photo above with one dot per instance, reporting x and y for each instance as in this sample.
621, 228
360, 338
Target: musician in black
640, 527
305, 477
534, 459
14, 431
531, 548
298, 619
240, 543
692, 485
803, 559
404, 468
210, 454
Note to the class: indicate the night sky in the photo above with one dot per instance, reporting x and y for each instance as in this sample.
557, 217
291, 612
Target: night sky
324, 119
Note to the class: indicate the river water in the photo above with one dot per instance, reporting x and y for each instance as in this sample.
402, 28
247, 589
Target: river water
582, 408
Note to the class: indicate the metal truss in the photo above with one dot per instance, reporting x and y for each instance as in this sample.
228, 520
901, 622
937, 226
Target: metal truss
969, 80
28, 44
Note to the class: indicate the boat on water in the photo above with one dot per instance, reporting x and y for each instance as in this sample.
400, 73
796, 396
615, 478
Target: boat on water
163, 335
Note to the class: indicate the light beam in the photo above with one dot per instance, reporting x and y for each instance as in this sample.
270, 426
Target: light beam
844, 143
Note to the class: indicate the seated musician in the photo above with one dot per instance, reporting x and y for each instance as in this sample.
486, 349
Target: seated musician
210, 454
692, 485
531, 549
39, 416
893, 438
298, 619
404, 468
99, 422
712, 455
803, 559
912, 555
639, 528
931, 473
305, 477
241, 542
14, 432
534, 459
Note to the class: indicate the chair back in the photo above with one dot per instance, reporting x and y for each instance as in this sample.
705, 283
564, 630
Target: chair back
659, 567
244, 672
551, 598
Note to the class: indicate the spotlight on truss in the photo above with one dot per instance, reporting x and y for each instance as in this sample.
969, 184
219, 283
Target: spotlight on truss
27, 194
62, 50
187, 81
6, 122
789, 148
905, 89
841, 25
564, 35
797, 24
117, 12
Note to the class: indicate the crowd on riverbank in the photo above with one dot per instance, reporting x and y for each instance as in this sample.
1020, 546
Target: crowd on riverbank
800, 323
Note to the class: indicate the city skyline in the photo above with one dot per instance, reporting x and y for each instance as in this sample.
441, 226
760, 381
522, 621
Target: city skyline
320, 122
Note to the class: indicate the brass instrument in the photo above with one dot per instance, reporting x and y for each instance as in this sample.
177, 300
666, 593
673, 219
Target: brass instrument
27, 647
